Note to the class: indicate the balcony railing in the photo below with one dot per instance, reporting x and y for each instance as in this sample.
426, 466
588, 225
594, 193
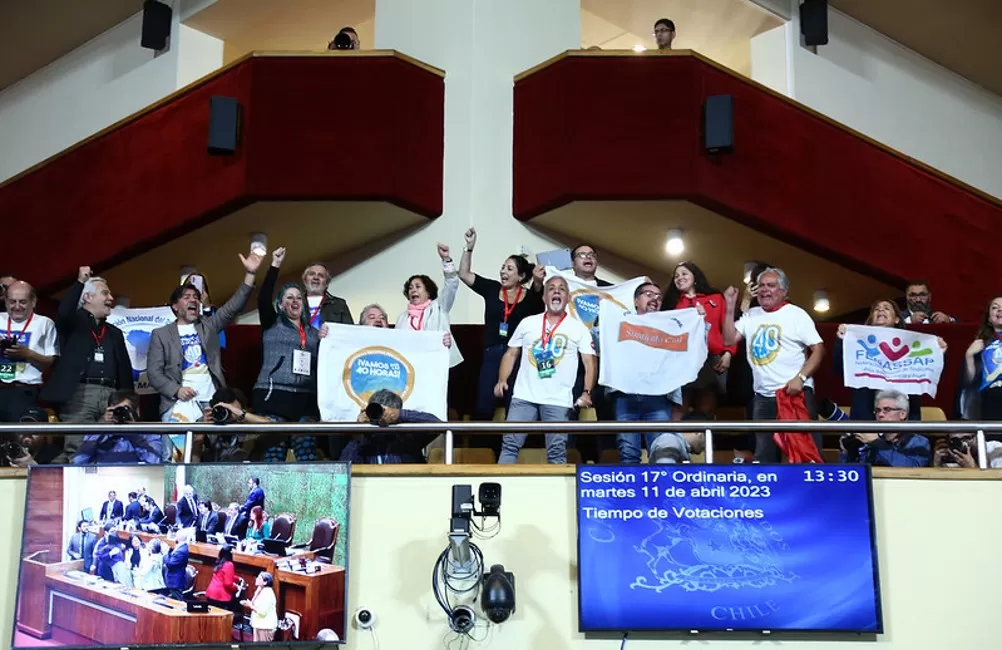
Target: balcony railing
451, 429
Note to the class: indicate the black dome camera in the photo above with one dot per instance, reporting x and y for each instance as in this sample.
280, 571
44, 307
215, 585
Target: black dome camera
498, 597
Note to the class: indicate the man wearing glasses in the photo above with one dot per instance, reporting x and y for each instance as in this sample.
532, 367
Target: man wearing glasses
584, 262
645, 408
664, 33
887, 449
918, 310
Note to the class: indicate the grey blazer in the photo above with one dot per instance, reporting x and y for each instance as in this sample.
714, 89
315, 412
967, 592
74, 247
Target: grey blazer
163, 361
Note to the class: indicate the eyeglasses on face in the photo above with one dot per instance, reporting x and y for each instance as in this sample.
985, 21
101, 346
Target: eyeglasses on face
586, 255
887, 409
653, 295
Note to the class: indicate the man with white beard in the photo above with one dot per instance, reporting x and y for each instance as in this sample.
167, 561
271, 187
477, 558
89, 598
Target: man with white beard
550, 344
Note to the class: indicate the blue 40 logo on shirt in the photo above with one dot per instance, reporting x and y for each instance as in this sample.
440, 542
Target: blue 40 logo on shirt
764, 344
557, 347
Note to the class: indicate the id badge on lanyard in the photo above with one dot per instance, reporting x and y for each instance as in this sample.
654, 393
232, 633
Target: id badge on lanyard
545, 363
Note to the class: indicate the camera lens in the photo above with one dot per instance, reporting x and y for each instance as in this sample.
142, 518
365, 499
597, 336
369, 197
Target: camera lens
220, 414
374, 411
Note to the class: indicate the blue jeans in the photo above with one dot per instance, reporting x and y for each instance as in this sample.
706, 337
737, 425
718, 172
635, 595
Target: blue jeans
523, 411
303, 446
639, 408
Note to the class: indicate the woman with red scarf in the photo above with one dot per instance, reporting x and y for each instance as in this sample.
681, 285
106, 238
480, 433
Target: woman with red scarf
427, 311
690, 289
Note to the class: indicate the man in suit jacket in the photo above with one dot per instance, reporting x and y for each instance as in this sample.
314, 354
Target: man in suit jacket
112, 508
152, 514
94, 363
187, 507
75, 550
176, 565
207, 519
255, 497
324, 306
133, 511
236, 522
183, 362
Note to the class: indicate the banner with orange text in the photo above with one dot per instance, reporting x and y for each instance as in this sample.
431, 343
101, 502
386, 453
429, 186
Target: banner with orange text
650, 354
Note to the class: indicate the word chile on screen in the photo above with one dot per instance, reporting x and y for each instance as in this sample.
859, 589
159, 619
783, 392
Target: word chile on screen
755, 548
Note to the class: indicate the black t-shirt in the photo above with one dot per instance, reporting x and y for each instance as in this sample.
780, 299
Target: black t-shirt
532, 303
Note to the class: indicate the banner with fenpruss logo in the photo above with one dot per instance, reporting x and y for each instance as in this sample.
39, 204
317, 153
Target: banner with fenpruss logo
137, 325
650, 354
584, 299
355, 361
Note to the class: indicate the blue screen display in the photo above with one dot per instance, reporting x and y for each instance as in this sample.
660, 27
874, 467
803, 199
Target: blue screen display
754, 547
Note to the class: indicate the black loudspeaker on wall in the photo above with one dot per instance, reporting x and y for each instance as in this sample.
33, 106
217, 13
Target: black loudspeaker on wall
224, 125
814, 22
156, 25
718, 124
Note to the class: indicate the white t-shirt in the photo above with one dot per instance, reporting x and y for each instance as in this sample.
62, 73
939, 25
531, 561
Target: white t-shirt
41, 337
312, 303
569, 338
194, 367
776, 344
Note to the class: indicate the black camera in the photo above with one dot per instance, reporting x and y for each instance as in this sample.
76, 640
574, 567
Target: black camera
221, 414
374, 412
958, 445
7, 343
123, 414
490, 499
341, 42
852, 445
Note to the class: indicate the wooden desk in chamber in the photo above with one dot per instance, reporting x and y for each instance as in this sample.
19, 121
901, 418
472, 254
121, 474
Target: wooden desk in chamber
318, 597
107, 613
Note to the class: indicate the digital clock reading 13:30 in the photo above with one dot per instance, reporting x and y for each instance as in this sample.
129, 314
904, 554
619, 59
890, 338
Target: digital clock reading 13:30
831, 476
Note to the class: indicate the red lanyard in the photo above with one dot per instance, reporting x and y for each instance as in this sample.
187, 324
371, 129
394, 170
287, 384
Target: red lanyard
302, 336
24, 330
99, 339
314, 312
508, 310
420, 320
546, 336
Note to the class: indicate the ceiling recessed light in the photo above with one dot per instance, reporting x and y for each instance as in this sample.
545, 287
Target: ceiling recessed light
639, 48
675, 246
821, 302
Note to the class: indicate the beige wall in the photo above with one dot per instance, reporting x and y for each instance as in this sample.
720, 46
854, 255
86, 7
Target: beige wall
937, 541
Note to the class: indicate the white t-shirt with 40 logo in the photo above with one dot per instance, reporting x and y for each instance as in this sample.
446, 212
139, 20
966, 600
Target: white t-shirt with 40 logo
776, 343
569, 338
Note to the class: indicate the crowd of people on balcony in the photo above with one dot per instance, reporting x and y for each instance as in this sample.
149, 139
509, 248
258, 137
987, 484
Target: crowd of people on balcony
539, 362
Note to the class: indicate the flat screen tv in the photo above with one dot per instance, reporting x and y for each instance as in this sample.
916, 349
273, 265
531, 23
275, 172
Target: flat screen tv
139, 575
737, 547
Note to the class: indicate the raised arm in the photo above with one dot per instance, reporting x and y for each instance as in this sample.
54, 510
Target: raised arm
68, 306
731, 335
466, 261
225, 314
447, 297
265, 298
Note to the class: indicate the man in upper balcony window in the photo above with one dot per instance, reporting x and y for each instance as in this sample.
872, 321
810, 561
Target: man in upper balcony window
918, 306
887, 449
784, 351
346, 39
664, 33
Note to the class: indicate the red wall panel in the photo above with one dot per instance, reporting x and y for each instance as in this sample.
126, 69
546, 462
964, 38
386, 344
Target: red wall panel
314, 127
590, 127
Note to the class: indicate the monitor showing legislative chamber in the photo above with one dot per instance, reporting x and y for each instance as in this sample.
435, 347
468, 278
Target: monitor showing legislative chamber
212, 554
742, 547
